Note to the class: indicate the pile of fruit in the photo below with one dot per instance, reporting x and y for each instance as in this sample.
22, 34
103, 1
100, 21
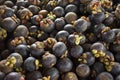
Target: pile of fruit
59, 39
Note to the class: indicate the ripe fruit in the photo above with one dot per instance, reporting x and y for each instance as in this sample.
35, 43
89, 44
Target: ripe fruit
9, 24
64, 65
31, 64
47, 25
62, 36
70, 76
13, 76
21, 30
59, 49
48, 60
104, 76
70, 17
59, 11
80, 25
76, 51
83, 70
53, 73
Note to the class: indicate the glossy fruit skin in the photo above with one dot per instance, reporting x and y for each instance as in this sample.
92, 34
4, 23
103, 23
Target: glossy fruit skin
18, 57
76, 39
98, 18
29, 64
83, 70
51, 5
33, 30
13, 76
70, 76
110, 54
53, 73
9, 24
43, 13
59, 49
35, 19
115, 69
34, 75
59, 23
70, 17
108, 36
69, 28
109, 20
21, 4
97, 68
8, 12
71, 8
76, 51
57, 37
59, 11
72, 39
9, 3
22, 50
37, 49
34, 9
48, 60
98, 46
81, 25
63, 3
62, 36
21, 30
98, 28
104, 76
116, 31
64, 65
25, 14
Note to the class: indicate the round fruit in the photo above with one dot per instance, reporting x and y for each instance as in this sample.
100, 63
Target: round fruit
83, 70
70, 76
59, 49
59, 11
53, 73
31, 64
70, 17
76, 51
104, 76
21, 30
9, 24
13, 76
48, 60
64, 65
